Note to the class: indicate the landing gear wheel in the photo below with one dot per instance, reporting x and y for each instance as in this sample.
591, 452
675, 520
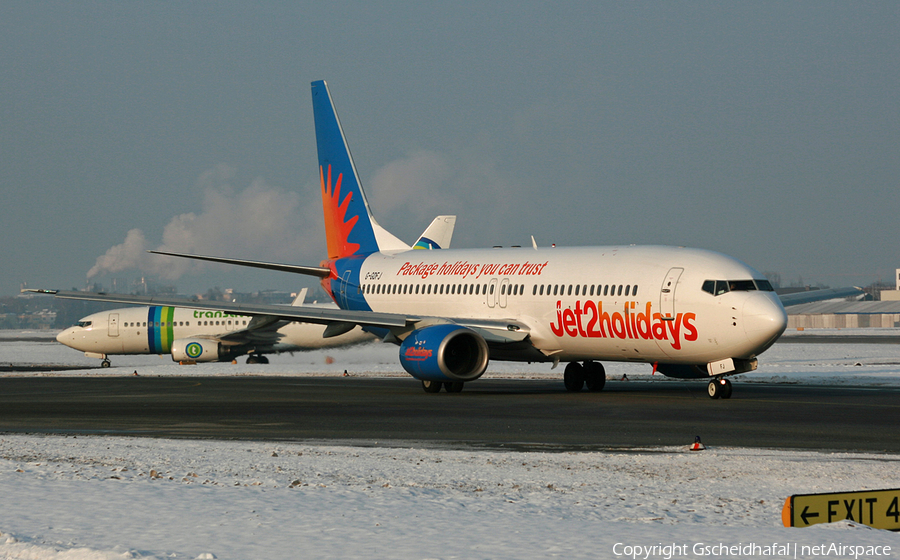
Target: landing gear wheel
454, 387
719, 389
726, 390
573, 377
594, 376
105, 363
431, 386
257, 359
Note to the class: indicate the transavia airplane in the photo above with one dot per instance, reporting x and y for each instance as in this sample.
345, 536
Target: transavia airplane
690, 313
185, 332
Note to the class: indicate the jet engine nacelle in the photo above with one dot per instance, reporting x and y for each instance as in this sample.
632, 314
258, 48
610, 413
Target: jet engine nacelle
196, 350
444, 353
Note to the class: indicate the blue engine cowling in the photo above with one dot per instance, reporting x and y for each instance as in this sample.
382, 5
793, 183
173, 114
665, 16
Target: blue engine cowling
444, 353
196, 350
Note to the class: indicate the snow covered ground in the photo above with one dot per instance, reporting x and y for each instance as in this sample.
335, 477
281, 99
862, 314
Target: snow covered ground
110, 497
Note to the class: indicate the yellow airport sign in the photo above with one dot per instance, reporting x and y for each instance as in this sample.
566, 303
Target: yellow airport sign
875, 508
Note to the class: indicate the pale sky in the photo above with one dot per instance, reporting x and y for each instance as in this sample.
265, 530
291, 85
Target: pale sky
769, 131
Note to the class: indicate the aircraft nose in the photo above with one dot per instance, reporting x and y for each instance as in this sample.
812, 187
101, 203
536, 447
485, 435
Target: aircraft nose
764, 319
65, 337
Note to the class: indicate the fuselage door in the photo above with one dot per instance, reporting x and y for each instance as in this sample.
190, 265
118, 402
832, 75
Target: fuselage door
504, 289
492, 293
113, 324
667, 294
342, 290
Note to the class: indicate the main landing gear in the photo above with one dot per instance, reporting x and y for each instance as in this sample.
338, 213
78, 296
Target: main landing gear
591, 374
105, 362
257, 359
719, 388
435, 386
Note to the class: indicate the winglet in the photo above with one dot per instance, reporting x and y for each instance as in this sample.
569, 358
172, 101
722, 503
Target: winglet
438, 234
301, 297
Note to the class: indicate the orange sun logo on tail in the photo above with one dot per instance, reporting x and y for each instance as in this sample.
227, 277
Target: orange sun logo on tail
337, 230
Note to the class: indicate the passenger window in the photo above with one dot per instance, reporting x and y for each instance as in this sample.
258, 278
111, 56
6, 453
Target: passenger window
627, 289
576, 289
570, 290
634, 291
620, 289
492, 290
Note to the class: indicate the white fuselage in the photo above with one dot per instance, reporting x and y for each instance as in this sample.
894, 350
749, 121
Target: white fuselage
630, 303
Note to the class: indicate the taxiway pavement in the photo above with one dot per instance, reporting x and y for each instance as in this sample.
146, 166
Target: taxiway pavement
490, 413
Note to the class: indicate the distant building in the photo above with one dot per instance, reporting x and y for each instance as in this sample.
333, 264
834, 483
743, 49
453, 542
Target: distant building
845, 314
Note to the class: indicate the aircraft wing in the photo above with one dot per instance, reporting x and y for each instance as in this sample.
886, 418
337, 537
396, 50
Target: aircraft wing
808, 296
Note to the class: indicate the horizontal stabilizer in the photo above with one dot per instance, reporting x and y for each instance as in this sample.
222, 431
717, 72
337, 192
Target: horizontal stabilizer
305, 313
319, 271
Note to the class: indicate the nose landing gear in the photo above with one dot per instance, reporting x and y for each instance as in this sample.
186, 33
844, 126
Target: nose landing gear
719, 388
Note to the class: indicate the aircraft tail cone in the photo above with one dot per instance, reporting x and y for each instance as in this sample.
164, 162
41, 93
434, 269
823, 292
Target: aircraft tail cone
697, 445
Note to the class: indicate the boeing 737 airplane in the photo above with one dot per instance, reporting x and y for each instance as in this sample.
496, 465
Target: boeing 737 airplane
182, 331
688, 313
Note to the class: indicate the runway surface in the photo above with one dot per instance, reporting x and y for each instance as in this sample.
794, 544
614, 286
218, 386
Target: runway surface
490, 413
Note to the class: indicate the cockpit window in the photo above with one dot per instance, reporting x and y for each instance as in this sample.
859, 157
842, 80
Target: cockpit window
83, 324
741, 285
719, 287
